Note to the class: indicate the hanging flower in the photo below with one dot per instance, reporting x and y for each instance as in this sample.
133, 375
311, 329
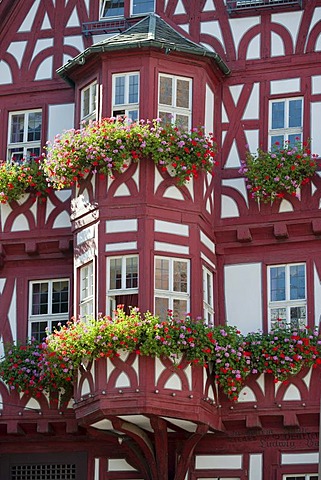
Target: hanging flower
282, 170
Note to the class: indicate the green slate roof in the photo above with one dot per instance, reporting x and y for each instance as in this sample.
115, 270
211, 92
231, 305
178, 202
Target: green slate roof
151, 31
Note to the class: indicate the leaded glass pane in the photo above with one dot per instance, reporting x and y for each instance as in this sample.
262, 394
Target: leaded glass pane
143, 6
162, 274
115, 273
38, 330
180, 277
86, 97
165, 90
182, 121
278, 314
161, 307
277, 140
17, 128
133, 89
277, 284
166, 117
182, 93
60, 297
113, 8
295, 113
34, 126
298, 316
179, 308
132, 272
120, 90
294, 138
39, 299
278, 110
133, 115
297, 282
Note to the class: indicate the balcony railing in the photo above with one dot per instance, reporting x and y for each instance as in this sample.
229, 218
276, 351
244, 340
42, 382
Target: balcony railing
238, 6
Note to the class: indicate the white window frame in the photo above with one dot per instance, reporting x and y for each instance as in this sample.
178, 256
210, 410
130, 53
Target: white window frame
170, 294
112, 293
133, 13
92, 88
287, 303
127, 107
25, 145
285, 131
208, 296
300, 476
48, 317
173, 109
111, 16
87, 290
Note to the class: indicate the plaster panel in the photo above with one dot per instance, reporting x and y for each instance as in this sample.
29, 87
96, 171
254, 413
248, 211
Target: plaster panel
277, 45
299, 458
114, 247
224, 462
229, 207
239, 26
255, 467
209, 6
62, 220
233, 159
61, 117
44, 70
41, 45
5, 73
213, 29
171, 227
171, 248
207, 242
291, 21
209, 110
17, 50
252, 107
315, 126
243, 296
316, 84
252, 138
124, 225
239, 185
317, 297
26, 25
119, 464
75, 41
254, 48
73, 19
285, 86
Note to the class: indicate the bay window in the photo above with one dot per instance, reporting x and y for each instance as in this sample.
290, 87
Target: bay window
24, 140
122, 282
48, 306
126, 95
172, 286
175, 100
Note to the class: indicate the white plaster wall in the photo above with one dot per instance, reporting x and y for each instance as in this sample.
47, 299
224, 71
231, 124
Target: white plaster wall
317, 297
61, 117
209, 110
243, 296
315, 127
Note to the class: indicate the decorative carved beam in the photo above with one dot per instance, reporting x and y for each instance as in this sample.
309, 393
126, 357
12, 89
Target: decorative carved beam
188, 450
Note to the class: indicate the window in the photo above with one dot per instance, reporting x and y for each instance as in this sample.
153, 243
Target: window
142, 6
89, 102
208, 303
87, 290
287, 294
175, 100
233, 6
300, 477
24, 140
48, 306
172, 289
286, 121
112, 8
122, 285
126, 95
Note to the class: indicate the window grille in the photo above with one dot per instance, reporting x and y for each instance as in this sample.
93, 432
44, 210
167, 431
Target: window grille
43, 472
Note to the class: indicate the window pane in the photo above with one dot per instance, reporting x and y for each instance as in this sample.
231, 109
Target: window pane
132, 273
277, 283
182, 121
120, 91
165, 91
179, 308
39, 299
143, 6
161, 307
297, 282
133, 115
16, 154
182, 93
112, 8
58, 324
34, 126
278, 314
60, 297
115, 273
295, 113
166, 117
162, 274
32, 153
38, 330
293, 139
17, 128
86, 96
133, 89
278, 115
277, 140
298, 316
180, 277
